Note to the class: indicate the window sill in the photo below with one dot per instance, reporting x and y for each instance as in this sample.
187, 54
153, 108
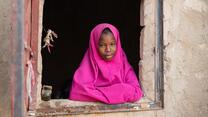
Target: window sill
69, 107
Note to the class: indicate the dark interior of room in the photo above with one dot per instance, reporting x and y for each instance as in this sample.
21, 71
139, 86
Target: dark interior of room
73, 20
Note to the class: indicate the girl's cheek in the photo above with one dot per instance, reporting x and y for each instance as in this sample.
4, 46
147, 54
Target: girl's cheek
114, 50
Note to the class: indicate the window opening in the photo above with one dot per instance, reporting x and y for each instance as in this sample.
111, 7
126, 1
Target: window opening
73, 21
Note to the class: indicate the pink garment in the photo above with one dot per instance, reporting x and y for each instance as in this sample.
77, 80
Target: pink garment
111, 82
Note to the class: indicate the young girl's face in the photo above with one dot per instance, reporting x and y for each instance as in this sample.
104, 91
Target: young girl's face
107, 46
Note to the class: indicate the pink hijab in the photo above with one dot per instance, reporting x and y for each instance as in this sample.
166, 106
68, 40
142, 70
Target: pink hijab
111, 82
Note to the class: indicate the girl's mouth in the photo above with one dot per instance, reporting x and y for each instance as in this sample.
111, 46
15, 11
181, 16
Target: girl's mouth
108, 55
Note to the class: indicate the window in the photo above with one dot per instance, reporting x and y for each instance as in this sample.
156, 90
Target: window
83, 18
73, 22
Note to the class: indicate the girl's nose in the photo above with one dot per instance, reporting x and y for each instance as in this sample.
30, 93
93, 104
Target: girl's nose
107, 48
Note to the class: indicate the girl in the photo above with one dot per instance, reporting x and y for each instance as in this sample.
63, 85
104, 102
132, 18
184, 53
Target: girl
104, 74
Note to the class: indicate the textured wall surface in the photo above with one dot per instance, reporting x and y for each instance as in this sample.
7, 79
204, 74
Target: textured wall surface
11, 58
5, 58
186, 58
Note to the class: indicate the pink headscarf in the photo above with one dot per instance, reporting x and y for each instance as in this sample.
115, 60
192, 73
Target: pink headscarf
111, 82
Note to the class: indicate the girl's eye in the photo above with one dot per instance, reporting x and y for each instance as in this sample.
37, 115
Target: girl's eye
112, 44
101, 45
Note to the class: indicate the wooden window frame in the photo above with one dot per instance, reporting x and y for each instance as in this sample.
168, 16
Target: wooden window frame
68, 107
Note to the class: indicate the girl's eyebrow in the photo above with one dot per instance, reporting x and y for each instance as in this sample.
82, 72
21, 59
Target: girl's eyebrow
101, 42
114, 41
